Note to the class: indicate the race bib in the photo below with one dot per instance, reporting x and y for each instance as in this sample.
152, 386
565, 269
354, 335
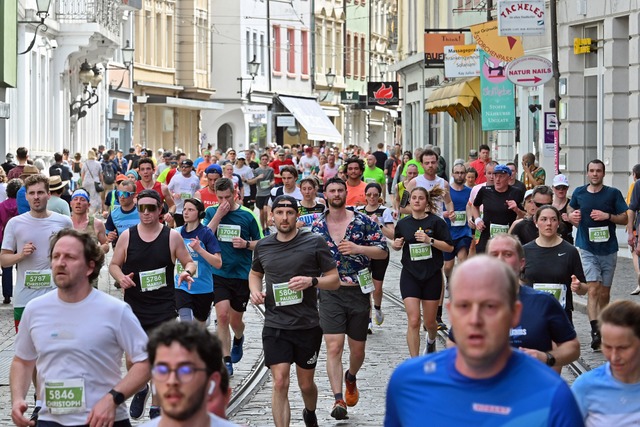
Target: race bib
599, 234
420, 251
180, 268
37, 279
366, 281
185, 196
497, 229
65, 396
284, 296
460, 219
370, 180
558, 290
226, 232
264, 185
153, 279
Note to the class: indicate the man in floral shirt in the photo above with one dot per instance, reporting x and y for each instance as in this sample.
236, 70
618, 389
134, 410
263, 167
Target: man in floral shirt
353, 240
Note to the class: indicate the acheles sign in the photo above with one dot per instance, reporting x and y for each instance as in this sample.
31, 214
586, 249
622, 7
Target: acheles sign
518, 17
382, 94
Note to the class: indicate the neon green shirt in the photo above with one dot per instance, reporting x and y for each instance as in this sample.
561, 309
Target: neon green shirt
374, 175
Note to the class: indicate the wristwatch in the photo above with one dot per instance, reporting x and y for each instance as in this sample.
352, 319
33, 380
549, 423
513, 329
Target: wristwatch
188, 272
118, 398
551, 361
248, 244
314, 281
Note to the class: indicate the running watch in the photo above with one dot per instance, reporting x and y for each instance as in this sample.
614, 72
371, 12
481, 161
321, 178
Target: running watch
118, 398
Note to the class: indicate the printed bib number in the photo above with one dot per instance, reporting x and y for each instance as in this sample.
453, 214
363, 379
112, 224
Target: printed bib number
65, 396
599, 234
153, 279
558, 290
185, 196
460, 219
265, 184
420, 251
284, 296
370, 180
227, 232
180, 268
497, 229
366, 281
37, 279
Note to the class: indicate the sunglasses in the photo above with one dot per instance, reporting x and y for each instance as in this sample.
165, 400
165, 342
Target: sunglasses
539, 205
173, 163
147, 208
124, 193
372, 194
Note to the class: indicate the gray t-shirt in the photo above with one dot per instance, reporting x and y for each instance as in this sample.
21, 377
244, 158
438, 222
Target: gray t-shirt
264, 184
312, 258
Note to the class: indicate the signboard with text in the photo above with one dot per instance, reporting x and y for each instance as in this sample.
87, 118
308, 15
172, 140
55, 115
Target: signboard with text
530, 70
521, 17
349, 97
461, 61
383, 94
498, 102
434, 44
503, 48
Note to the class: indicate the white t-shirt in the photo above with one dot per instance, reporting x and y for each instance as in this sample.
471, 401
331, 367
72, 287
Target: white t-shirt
307, 164
184, 187
83, 340
279, 191
214, 421
23, 229
246, 173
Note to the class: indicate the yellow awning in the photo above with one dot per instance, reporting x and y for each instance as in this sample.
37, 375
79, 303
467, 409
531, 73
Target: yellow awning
456, 97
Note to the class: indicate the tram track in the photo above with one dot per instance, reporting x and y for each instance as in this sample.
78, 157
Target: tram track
576, 368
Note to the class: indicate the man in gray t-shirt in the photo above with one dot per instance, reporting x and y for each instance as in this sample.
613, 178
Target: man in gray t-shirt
265, 176
292, 330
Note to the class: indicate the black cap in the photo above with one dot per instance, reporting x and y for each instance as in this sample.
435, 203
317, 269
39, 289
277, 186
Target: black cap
150, 193
284, 201
187, 162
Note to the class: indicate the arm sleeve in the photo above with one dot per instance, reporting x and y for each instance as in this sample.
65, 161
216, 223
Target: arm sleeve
577, 266
208, 215
9, 239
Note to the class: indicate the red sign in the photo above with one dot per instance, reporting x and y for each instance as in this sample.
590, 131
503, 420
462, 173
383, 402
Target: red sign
382, 93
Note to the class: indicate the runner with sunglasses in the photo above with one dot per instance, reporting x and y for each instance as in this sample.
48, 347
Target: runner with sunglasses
526, 229
148, 281
125, 215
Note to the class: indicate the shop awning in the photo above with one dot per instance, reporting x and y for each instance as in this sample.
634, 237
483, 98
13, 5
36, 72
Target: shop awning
310, 115
456, 97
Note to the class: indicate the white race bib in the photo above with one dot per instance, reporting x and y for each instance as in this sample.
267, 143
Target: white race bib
460, 220
497, 229
558, 290
284, 296
226, 232
37, 279
65, 396
153, 279
366, 281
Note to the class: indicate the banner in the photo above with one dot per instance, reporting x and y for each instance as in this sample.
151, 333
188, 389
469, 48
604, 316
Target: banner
462, 61
498, 102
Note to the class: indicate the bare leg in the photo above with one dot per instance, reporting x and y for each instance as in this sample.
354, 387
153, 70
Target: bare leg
335, 347
280, 407
222, 314
412, 307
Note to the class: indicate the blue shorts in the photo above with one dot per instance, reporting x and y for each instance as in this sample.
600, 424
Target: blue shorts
599, 268
458, 244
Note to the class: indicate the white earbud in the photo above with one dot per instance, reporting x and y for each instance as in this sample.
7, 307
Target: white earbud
153, 388
212, 387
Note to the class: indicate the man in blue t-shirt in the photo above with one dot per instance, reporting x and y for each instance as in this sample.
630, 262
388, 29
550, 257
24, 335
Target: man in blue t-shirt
595, 209
482, 381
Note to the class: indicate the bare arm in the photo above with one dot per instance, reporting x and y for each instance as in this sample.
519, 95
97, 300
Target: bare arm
101, 233
20, 380
564, 353
118, 260
8, 258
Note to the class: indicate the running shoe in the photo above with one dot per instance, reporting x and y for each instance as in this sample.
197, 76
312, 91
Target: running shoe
229, 367
237, 351
351, 395
442, 326
154, 412
596, 340
431, 348
139, 402
310, 419
370, 328
636, 291
378, 317
339, 411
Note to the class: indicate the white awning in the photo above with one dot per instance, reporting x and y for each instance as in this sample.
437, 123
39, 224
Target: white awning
308, 112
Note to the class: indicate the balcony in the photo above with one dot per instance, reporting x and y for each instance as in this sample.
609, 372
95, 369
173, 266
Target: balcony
74, 15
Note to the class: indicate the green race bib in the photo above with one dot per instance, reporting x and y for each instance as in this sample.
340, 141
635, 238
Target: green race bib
558, 290
599, 234
460, 219
366, 281
284, 296
497, 229
180, 268
185, 196
370, 180
226, 232
153, 279
37, 279
265, 184
420, 251
65, 396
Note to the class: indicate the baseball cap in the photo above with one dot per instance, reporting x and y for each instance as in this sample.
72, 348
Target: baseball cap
528, 194
473, 154
9, 156
502, 169
281, 152
81, 192
560, 181
285, 201
241, 156
167, 154
187, 162
120, 177
213, 169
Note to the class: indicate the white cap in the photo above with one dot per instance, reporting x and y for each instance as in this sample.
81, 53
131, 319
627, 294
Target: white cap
560, 180
241, 156
528, 194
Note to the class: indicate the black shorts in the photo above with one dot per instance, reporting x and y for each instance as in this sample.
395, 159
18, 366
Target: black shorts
234, 290
200, 304
262, 201
458, 244
150, 328
248, 202
345, 311
428, 290
378, 268
299, 346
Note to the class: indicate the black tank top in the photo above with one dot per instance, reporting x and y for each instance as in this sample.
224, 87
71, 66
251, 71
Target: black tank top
156, 304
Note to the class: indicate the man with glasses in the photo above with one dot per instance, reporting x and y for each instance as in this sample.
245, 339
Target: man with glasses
125, 215
148, 281
183, 186
75, 338
146, 182
186, 366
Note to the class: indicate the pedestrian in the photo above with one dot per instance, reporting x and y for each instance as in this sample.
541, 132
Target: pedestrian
633, 200
93, 181
595, 209
148, 281
423, 237
291, 332
22, 155
186, 361
353, 240
607, 394
8, 209
237, 231
482, 381
78, 384
484, 157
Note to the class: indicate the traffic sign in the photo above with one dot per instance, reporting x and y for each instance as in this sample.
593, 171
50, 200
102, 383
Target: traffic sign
530, 70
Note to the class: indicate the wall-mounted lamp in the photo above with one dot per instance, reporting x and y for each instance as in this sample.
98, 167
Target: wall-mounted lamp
383, 66
330, 78
43, 13
254, 66
127, 60
534, 107
90, 77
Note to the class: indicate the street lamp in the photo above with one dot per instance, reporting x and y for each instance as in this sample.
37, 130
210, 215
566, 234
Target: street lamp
330, 78
43, 13
383, 66
90, 77
127, 59
254, 66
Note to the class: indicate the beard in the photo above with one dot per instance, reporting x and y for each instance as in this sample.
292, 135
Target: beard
337, 202
193, 406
